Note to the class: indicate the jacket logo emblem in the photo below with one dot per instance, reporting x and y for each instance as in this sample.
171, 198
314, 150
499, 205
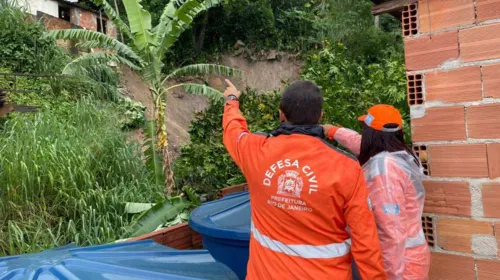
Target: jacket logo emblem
290, 184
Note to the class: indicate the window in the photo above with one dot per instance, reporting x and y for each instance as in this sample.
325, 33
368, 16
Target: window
102, 28
64, 13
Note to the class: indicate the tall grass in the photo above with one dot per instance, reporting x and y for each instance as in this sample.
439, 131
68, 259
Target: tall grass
66, 180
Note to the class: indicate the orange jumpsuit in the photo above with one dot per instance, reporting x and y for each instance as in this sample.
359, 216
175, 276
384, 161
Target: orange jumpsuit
303, 194
397, 195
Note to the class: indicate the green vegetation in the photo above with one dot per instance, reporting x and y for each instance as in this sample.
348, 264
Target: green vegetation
67, 179
296, 26
144, 54
204, 163
22, 47
349, 89
69, 173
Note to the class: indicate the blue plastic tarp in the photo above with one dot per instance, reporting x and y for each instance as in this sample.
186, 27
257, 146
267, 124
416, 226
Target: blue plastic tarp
124, 261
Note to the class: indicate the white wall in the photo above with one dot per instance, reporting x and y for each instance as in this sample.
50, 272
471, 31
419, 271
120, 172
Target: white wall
49, 7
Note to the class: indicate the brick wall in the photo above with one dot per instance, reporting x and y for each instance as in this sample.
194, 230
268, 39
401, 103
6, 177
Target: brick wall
452, 50
88, 20
80, 18
54, 23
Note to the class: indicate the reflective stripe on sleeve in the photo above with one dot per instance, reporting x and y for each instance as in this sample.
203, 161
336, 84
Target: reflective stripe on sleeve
333, 250
241, 135
415, 241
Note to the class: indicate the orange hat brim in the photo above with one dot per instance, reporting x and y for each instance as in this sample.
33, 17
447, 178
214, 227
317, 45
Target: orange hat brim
362, 118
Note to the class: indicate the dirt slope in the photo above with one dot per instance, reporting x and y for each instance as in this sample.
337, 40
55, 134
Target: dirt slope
260, 75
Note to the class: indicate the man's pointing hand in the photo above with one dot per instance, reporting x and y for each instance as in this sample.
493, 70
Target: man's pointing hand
231, 90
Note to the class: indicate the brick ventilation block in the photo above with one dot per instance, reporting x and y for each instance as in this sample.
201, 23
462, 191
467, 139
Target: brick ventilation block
410, 20
421, 152
428, 225
415, 90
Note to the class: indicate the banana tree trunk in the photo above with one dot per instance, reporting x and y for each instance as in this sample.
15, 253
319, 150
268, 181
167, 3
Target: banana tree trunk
161, 137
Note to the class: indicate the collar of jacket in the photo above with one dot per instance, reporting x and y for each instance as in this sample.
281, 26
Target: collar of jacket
289, 129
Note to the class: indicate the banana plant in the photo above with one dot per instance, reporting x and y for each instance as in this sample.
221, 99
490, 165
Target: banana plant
144, 53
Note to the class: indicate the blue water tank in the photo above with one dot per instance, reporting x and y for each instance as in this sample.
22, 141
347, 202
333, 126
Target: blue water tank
224, 226
124, 261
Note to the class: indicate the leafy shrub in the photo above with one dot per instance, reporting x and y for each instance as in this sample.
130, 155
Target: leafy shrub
67, 179
133, 113
24, 49
349, 89
204, 163
250, 20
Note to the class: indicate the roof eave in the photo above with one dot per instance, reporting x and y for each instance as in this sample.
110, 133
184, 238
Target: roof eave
393, 7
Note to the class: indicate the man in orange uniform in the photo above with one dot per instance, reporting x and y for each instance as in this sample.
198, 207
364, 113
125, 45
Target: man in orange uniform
304, 195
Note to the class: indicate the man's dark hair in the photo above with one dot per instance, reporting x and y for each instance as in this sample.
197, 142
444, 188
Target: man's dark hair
302, 103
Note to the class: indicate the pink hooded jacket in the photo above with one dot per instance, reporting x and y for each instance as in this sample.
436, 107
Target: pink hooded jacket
397, 196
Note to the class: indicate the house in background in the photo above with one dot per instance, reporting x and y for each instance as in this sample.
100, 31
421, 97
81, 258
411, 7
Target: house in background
62, 14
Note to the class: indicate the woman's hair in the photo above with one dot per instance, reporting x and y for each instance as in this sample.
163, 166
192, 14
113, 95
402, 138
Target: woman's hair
374, 142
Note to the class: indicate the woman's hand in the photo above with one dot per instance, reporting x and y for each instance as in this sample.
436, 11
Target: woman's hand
326, 128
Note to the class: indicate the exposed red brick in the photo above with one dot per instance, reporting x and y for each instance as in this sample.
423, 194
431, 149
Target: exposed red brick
451, 267
491, 200
488, 270
452, 198
445, 14
87, 20
459, 85
455, 234
440, 124
488, 9
53, 23
427, 52
491, 80
480, 43
459, 161
483, 121
494, 160
112, 31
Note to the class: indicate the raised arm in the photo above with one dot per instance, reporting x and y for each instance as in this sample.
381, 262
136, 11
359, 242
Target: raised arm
365, 244
237, 138
346, 137
235, 130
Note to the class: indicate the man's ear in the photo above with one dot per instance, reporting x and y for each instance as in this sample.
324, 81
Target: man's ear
320, 117
282, 117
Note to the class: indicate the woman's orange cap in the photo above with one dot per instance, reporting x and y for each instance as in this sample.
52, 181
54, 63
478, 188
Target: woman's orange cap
380, 115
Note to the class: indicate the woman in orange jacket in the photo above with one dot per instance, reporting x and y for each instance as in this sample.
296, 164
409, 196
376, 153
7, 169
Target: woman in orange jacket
394, 179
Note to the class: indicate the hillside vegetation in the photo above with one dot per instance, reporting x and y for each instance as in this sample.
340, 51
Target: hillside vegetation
69, 173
